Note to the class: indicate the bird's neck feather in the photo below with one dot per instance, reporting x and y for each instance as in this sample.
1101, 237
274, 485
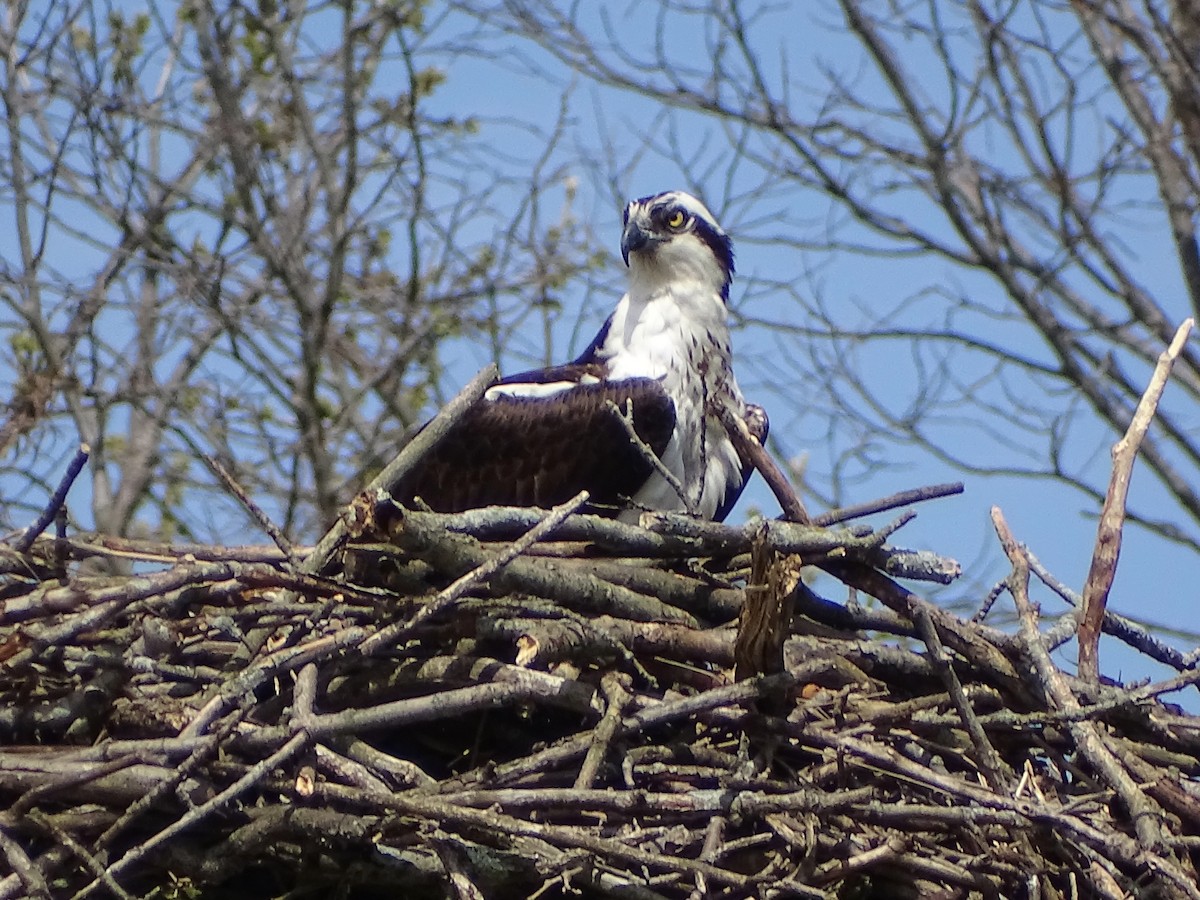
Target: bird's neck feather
678, 264
664, 329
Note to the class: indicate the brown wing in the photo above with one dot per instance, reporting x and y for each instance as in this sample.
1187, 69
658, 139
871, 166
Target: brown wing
526, 451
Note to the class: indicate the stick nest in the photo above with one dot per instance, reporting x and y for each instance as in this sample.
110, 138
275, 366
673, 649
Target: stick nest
455, 706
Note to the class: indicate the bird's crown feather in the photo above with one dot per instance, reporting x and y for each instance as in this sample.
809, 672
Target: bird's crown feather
661, 218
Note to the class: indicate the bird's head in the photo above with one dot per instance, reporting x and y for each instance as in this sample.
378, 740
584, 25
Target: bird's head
674, 235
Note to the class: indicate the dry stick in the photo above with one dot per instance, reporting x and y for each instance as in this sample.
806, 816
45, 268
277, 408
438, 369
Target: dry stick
56, 500
398, 771
388, 636
92, 544
256, 773
673, 534
1113, 843
903, 498
341, 768
1108, 532
94, 865
23, 867
976, 646
999, 776
714, 835
1146, 817
731, 798
448, 813
203, 751
155, 587
616, 695
424, 441
625, 417
988, 602
1175, 683
449, 854
856, 575
889, 851
399, 714
61, 547
283, 660
1117, 626
26, 801
304, 696
661, 713
862, 577
256, 511
749, 448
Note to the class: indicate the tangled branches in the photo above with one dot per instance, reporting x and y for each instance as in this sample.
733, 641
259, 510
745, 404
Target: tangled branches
507, 701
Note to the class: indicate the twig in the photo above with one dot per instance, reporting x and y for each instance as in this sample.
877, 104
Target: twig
1112, 518
751, 450
446, 812
397, 771
973, 797
57, 499
456, 555
304, 696
264, 521
241, 686
61, 545
837, 870
256, 774
205, 748
1120, 627
454, 860
895, 525
998, 775
424, 441
399, 714
625, 417
23, 804
387, 637
94, 865
676, 534
744, 692
977, 645
988, 602
903, 498
86, 545
855, 574
348, 771
616, 694
714, 836
22, 866
1147, 819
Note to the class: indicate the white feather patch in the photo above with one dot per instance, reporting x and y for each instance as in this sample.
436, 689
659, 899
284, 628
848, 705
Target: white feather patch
536, 388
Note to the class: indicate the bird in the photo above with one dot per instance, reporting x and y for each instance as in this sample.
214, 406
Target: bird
658, 369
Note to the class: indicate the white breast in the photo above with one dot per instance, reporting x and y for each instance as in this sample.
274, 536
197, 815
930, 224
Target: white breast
678, 333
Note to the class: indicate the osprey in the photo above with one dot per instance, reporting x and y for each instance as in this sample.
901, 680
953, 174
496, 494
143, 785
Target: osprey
657, 369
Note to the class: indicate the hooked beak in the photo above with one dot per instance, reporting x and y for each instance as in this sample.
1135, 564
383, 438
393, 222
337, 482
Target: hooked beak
633, 239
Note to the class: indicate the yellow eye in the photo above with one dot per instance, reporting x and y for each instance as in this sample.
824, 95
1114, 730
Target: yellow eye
675, 220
